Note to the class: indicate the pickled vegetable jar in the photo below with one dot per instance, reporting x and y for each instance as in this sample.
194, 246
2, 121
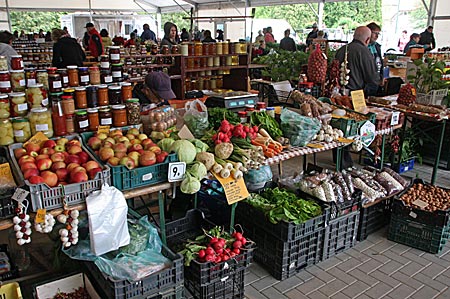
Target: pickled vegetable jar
42, 77
6, 132
37, 96
41, 121
3, 63
19, 106
21, 129
133, 111
18, 81
5, 82
4, 106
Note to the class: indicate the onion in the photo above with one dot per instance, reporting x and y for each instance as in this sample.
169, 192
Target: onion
160, 126
151, 116
158, 116
154, 126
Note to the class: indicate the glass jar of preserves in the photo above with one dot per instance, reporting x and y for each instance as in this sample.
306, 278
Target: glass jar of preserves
19, 106
4, 106
69, 92
16, 62
242, 116
105, 116
212, 48
18, 81
80, 98
190, 63
106, 77
165, 49
54, 97
54, 83
5, 82
70, 123
6, 132
68, 105
104, 61
41, 121
234, 60
114, 94
225, 47
219, 48
114, 54
92, 98
30, 76
191, 49
133, 111
59, 121
127, 91
119, 114
83, 73
81, 121
94, 75
64, 77
216, 61
51, 70
42, 78
175, 49
205, 49
213, 83
93, 118
37, 96
184, 48
3, 63
102, 95
243, 47
116, 71
154, 49
72, 72
21, 129
198, 49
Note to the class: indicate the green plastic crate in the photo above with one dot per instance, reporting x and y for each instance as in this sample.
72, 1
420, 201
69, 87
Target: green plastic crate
125, 179
350, 127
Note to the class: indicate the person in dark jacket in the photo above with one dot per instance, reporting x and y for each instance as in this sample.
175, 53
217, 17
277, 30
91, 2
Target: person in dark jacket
95, 41
287, 43
220, 36
184, 35
413, 42
208, 38
312, 35
375, 49
427, 39
170, 35
148, 34
66, 50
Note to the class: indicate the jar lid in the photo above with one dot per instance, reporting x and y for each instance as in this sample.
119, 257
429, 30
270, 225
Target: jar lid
117, 107
41, 71
69, 115
62, 70
104, 109
126, 84
82, 112
17, 94
117, 64
249, 106
56, 94
91, 87
270, 108
102, 86
39, 109
114, 87
4, 72
92, 110
72, 67
114, 47
242, 113
83, 68
66, 97
94, 68
37, 85
28, 69
69, 90
16, 71
19, 120
81, 88
133, 100
104, 56
16, 56
52, 69
3, 96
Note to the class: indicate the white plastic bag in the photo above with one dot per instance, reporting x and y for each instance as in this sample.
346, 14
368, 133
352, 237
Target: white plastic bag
196, 117
107, 212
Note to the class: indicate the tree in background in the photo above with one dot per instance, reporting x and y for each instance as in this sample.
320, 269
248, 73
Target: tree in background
419, 18
33, 22
177, 19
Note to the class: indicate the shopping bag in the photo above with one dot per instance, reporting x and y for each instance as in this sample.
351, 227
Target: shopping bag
107, 213
298, 128
196, 117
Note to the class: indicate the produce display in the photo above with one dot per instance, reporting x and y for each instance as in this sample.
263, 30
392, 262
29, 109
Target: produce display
317, 66
427, 197
80, 293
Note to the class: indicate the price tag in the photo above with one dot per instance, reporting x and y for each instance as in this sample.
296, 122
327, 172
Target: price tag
367, 133
315, 145
20, 195
176, 171
345, 140
395, 118
103, 129
6, 178
40, 216
420, 203
38, 139
235, 190
413, 215
358, 100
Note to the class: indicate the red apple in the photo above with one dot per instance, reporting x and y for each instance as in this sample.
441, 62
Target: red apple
109, 139
105, 153
95, 142
62, 141
33, 154
142, 137
57, 157
120, 155
115, 133
32, 147
72, 159
130, 136
91, 165
30, 172
49, 143
102, 136
147, 143
120, 147
133, 131
113, 161
78, 177
77, 169
74, 149
60, 148
93, 172
161, 157
66, 154
135, 148
19, 152
50, 178
36, 180
47, 151
42, 156
147, 158
44, 164
156, 149
127, 162
72, 166
141, 151
27, 165
135, 156
84, 157
57, 165
135, 141
74, 142
25, 159
123, 139
62, 174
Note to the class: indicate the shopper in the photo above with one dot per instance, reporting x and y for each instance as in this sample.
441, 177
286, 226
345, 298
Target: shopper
312, 35
95, 41
158, 89
106, 40
66, 50
287, 43
427, 39
118, 41
170, 35
375, 49
220, 36
131, 41
184, 35
207, 37
413, 42
268, 37
48, 36
402, 41
259, 37
16, 34
6, 39
148, 34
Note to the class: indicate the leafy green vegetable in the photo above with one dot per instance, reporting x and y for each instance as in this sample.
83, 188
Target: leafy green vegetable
282, 205
190, 185
197, 170
267, 122
200, 146
185, 150
165, 144
216, 115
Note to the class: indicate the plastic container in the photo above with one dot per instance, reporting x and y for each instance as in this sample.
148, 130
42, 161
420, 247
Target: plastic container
68, 284
11, 291
374, 217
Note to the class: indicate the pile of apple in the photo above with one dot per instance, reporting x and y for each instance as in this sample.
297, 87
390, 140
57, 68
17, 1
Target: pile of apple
56, 162
131, 150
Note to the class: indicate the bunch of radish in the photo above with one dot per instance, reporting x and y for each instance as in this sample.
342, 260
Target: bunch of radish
219, 250
227, 130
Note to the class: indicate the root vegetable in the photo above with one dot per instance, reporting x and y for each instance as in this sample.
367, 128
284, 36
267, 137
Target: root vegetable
206, 158
223, 150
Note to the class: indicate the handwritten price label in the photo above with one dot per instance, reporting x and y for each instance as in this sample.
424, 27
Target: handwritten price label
103, 129
20, 195
176, 171
40, 216
6, 178
38, 139
235, 190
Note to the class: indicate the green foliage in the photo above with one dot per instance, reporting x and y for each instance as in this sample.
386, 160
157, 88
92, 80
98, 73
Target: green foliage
419, 17
352, 14
283, 65
32, 22
428, 75
177, 19
298, 15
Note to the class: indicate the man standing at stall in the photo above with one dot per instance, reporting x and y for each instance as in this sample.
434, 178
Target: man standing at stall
375, 49
312, 35
287, 43
148, 34
427, 38
95, 45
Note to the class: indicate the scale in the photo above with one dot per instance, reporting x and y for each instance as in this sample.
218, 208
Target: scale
231, 99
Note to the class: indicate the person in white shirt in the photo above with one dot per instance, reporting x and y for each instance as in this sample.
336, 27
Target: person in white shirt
6, 39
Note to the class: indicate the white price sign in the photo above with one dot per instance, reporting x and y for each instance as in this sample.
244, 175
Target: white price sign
395, 118
20, 195
176, 171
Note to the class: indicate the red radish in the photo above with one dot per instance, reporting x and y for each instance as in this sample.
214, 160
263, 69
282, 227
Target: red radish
201, 253
209, 251
225, 258
209, 258
217, 259
213, 240
237, 250
243, 241
237, 236
237, 244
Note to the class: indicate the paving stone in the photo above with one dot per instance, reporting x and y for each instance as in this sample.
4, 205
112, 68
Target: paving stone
360, 256
324, 276
310, 286
417, 252
385, 278
442, 278
444, 252
430, 282
425, 292
288, 284
358, 274
378, 290
390, 267
363, 245
304, 275
340, 296
355, 289
383, 246
258, 270
317, 295
433, 270
273, 293
395, 256
444, 294
252, 293
416, 258
408, 280
412, 268
329, 263
437, 260
294, 294
402, 291
336, 272
333, 287
370, 266
250, 277
343, 256
363, 296
399, 248
264, 283
349, 265
378, 256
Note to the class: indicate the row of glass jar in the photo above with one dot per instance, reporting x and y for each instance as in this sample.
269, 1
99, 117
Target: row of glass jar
219, 48
216, 61
203, 83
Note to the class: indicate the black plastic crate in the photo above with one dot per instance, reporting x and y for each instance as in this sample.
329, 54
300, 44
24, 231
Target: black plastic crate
340, 234
176, 293
425, 237
14, 270
374, 217
229, 287
189, 227
215, 206
7, 205
284, 231
148, 287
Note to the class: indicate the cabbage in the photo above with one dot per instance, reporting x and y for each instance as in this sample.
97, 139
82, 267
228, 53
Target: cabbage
185, 150
165, 144
190, 185
200, 146
198, 170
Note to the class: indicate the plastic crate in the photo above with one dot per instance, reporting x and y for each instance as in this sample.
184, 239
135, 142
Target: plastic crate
126, 179
67, 285
434, 97
177, 293
45, 197
373, 218
406, 166
10, 291
149, 287
214, 204
425, 237
229, 287
7, 205
340, 234
202, 274
350, 127
284, 231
